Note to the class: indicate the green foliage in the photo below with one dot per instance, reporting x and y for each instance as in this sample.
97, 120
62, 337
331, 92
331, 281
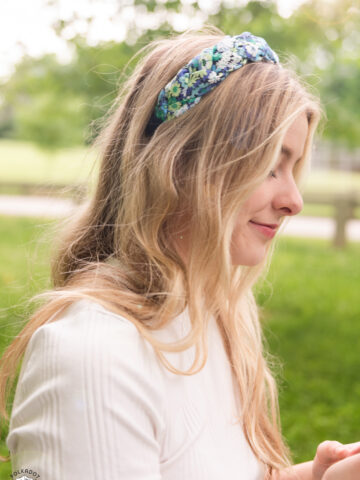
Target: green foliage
64, 120
319, 42
57, 105
342, 96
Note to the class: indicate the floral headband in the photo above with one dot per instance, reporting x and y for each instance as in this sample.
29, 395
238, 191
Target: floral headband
210, 67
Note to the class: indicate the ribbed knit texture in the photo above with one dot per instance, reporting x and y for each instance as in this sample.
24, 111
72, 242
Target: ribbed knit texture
94, 402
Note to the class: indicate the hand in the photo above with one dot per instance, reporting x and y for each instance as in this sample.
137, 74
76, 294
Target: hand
331, 452
347, 469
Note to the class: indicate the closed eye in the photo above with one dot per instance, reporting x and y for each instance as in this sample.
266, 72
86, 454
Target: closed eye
288, 154
272, 174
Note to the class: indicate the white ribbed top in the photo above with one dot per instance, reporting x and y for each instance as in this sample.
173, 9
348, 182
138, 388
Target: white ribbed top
94, 402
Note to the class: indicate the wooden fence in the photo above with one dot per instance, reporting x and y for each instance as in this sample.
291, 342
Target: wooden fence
332, 156
344, 210
76, 192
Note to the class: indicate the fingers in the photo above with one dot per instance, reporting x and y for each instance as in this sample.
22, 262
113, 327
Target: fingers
330, 451
327, 453
352, 448
347, 469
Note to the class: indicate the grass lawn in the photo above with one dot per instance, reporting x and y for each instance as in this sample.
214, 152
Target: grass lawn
311, 318
311, 321
23, 162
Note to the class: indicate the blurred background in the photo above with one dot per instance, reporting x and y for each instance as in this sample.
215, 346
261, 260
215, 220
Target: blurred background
61, 64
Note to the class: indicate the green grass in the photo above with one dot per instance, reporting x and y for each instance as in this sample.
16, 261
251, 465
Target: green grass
311, 321
312, 324
23, 162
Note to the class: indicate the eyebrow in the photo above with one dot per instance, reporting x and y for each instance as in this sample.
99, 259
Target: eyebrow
288, 153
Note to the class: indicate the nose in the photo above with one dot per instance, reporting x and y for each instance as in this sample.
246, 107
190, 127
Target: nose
289, 200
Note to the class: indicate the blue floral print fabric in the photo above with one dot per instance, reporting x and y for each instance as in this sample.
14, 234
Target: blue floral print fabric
208, 69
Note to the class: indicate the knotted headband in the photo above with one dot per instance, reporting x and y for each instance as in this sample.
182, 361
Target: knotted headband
210, 67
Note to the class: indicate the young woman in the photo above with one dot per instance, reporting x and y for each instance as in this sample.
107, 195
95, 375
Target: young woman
146, 362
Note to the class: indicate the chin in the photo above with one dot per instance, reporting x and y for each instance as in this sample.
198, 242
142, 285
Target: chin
248, 260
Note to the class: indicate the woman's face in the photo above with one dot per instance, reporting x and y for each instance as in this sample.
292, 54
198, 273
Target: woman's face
275, 198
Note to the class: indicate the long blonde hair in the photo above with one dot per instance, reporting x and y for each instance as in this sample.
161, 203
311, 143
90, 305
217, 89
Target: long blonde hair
118, 249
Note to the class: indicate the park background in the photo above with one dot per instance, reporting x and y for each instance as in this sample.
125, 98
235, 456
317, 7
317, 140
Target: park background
58, 80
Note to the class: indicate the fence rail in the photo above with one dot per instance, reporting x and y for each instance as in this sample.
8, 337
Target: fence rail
77, 191
332, 156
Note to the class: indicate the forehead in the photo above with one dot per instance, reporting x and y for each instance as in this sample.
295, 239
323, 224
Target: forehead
295, 136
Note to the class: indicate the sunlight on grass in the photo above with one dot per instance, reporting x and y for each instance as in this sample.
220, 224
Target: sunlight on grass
333, 181
26, 163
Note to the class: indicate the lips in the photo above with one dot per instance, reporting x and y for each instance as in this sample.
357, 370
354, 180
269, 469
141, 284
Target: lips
268, 230
270, 225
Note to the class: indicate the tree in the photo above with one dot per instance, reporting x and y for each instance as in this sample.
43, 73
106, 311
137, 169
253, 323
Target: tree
57, 105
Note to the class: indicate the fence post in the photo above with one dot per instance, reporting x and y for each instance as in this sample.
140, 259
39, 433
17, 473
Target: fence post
344, 211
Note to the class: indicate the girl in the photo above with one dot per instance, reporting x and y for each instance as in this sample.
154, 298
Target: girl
147, 361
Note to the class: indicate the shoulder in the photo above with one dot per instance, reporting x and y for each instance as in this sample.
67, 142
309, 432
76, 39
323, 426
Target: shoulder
89, 379
87, 322
83, 313
87, 336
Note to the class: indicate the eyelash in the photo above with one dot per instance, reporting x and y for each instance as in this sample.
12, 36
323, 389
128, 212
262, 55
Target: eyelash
272, 174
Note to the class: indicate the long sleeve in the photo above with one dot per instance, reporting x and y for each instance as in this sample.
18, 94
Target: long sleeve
89, 401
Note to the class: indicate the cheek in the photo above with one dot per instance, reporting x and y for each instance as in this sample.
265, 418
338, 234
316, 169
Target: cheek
258, 201
241, 230
248, 212
260, 198
241, 226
